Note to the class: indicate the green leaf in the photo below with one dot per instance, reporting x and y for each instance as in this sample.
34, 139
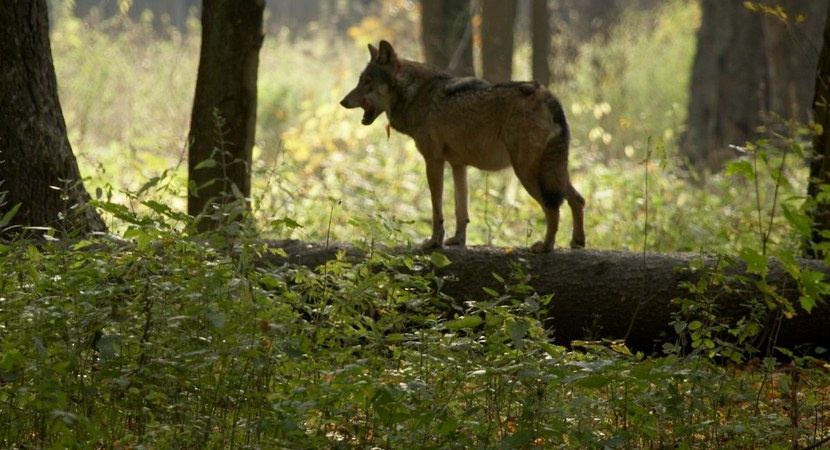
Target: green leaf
449, 426
797, 218
517, 331
813, 288
807, 302
595, 381
34, 253
206, 164
286, 222
467, 322
740, 167
149, 185
439, 260
490, 292
755, 262
12, 359
237, 194
157, 207
7, 218
143, 237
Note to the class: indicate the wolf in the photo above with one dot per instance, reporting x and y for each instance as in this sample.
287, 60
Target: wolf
471, 122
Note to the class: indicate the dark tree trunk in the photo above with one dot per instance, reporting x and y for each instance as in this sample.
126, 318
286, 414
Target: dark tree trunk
37, 167
446, 34
791, 56
224, 107
820, 157
497, 20
749, 71
608, 294
728, 83
540, 22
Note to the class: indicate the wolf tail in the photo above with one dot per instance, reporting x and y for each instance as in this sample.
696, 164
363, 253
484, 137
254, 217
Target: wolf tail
555, 181
557, 113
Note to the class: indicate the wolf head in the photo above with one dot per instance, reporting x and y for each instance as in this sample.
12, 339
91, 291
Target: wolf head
374, 88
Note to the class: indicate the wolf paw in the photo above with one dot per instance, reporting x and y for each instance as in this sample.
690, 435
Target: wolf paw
456, 241
541, 247
578, 243
431, 243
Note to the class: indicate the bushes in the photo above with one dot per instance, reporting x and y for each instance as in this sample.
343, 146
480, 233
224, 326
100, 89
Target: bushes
178, 344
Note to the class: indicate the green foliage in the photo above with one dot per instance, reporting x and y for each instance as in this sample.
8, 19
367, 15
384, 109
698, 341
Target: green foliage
176, 343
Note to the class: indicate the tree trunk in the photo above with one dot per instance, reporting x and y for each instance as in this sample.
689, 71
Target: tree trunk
224, 107
37, 167
607, 294
497, 19
540, 22
728, 83
749, 71
446, 34
820, 156
791, 56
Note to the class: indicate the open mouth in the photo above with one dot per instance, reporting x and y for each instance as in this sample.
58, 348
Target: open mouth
370, 112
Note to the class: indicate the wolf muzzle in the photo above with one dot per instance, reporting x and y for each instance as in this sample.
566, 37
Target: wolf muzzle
370, 111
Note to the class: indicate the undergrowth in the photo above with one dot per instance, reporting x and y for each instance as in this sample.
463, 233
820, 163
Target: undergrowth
180, 340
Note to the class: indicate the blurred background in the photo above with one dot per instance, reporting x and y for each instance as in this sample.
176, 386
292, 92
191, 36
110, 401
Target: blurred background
662, 95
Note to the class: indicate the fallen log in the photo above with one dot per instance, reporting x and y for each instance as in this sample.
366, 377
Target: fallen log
615, 294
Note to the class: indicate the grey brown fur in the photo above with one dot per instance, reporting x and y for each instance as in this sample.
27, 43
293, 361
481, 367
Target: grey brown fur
470, 122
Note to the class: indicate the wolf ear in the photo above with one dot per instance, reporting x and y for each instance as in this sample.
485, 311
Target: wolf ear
373, 52
386, 54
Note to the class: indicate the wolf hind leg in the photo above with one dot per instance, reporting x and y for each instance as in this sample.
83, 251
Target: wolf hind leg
549, 198
577, 204
552, 226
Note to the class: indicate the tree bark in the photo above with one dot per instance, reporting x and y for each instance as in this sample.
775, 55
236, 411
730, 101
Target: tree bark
446, 35
728, 83
224, 107
607, 294
497, 20
540, 22
820, 156
791, 56
749, 71
37, 168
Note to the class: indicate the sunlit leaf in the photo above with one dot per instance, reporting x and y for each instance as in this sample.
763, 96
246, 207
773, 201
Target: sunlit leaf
467, 322
740, 167
439, 260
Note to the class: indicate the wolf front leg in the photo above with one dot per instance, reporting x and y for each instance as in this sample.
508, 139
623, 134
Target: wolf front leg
435, 179
462, 218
